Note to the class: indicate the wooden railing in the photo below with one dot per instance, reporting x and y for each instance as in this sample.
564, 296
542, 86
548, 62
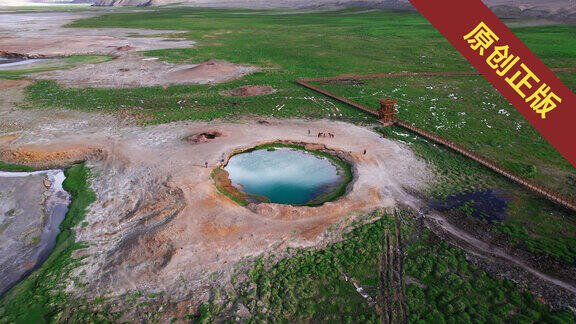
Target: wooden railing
545, 191
552, 195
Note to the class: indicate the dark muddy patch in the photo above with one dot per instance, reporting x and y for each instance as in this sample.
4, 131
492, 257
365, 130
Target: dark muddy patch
488, 205
203, 137
348, 82
249, 90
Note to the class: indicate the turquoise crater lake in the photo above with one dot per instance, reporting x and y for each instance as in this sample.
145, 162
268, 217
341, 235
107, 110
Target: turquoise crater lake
287, 175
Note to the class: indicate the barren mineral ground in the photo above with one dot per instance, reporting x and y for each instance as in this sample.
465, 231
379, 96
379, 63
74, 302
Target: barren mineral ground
140, 110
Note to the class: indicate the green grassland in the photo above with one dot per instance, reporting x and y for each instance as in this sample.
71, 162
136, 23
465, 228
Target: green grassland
290, 46
15, 167
444, 287
532, 223
285, 46
469, 111
308, 286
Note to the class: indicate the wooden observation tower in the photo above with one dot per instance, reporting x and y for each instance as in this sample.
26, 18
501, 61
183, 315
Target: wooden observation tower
387, 111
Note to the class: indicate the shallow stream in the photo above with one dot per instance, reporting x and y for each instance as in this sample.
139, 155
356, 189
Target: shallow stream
32, 206
6, 62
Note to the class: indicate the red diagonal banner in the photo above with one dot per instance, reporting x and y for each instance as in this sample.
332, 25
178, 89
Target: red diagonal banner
476, 32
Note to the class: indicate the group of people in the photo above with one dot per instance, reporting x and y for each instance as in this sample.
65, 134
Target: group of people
323, 134
331, 136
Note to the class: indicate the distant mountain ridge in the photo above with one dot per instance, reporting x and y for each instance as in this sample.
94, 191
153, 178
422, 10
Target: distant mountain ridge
260, 4
557, 10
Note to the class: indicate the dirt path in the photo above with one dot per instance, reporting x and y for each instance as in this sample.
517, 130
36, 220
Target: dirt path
391, 299
470, 244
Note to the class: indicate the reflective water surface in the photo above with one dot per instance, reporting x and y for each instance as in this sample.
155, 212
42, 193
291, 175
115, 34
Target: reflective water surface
284, 175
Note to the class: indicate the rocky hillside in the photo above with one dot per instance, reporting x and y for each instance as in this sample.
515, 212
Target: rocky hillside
259, 4
557, 10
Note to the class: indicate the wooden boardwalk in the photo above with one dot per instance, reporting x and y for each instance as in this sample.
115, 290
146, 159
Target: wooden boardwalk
552, 195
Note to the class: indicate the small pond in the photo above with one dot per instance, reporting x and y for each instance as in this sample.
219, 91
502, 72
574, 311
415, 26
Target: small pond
488, 205
288, 175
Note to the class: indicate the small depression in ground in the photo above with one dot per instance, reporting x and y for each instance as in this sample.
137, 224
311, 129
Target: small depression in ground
287, 175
